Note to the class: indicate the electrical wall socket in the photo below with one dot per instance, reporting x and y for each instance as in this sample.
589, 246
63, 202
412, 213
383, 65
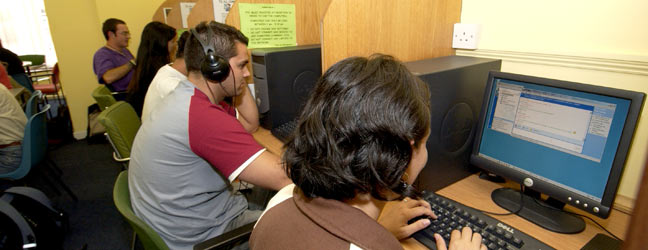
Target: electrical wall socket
465, 36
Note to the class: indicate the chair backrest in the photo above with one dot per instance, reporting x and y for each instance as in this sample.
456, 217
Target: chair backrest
121, 123
34, 145
103, 97
34, 59
24, 81
121, 196
32, 103
56, 74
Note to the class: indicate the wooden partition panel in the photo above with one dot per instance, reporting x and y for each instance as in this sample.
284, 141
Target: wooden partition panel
159, 13
308, 14
636, 234
202, 11
174, 18
409, 30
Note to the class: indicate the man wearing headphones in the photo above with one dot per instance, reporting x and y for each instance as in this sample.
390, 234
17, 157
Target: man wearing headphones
193, 146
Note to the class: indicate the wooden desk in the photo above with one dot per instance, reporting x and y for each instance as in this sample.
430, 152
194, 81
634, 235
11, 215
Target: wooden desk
475, 192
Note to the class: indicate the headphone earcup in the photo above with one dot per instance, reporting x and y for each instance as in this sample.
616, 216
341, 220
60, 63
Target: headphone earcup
215, 68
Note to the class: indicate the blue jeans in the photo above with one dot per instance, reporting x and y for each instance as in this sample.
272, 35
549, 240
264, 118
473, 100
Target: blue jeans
10, 158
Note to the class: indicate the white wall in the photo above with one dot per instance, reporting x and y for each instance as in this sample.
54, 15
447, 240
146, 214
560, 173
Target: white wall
598, 42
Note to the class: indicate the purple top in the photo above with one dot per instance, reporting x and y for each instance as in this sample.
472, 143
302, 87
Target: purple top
106, 59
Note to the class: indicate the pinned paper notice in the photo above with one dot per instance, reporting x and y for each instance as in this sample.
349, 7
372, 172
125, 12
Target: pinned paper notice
268, 25
221, 8
185, 9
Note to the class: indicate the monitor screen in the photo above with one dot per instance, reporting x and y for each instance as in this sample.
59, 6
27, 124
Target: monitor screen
564, 139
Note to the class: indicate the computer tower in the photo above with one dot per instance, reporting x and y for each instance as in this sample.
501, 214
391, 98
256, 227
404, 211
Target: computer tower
283, 79
457, 86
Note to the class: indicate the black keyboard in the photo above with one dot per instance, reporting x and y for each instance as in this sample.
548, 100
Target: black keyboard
283, 131
453, 215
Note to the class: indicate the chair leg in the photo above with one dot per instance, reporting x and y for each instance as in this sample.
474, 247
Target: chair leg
134, 240
49, 111
55, 167
60, 181
67, 189
50, 183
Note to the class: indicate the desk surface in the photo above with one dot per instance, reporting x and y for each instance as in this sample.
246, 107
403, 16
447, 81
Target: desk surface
475, 192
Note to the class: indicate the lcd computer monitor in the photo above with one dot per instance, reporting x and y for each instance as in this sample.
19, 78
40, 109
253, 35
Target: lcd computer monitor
564, 139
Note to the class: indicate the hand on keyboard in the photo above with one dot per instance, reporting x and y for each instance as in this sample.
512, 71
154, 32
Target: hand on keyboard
452, 216
396, 218
463, 240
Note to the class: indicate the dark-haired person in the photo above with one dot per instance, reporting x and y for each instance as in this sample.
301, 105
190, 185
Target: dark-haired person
113, 63
193, 146
14, 64
360, 142
12, 129
166, 79
157, 48
4, 77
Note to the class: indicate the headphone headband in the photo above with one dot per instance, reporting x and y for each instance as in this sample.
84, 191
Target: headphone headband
213, 67
206, 45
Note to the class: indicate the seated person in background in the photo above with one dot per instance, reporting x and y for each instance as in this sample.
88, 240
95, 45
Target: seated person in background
360, 142
185, 157
113, 63
12, 129
15, 65
166, 79
157, 48
4, 77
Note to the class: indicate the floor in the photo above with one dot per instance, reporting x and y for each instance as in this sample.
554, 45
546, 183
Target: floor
90, 171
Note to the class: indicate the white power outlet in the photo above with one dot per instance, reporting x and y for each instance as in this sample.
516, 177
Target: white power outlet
465, 36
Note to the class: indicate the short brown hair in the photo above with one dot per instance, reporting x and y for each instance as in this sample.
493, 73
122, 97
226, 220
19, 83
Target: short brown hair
223, 43
111, 25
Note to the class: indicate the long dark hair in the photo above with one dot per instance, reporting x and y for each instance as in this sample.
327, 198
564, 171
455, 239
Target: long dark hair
354, 133
152, 54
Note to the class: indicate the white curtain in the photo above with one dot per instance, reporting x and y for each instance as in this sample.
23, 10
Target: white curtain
24, 28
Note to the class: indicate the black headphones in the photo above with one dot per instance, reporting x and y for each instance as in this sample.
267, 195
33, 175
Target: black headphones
215, 68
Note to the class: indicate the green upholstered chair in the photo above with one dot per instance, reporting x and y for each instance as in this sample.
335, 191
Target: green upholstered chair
121, 196
103, 97
37, 65
33, 58
121, 123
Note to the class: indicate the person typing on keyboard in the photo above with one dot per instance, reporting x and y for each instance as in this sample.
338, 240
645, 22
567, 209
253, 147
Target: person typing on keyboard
359, 142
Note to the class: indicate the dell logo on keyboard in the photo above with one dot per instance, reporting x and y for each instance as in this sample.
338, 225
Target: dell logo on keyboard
505, 227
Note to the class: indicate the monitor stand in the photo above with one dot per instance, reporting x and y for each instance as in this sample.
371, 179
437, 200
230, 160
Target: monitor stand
550, 217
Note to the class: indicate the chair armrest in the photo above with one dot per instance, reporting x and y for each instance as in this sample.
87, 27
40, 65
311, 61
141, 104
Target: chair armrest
120, 159
228, 239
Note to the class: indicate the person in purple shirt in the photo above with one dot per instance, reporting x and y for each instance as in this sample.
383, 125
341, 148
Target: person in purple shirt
113, 63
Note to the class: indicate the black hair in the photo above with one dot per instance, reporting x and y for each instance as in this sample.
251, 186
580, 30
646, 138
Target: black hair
354, 133
223, 43
111, 25
181, 44
152, 54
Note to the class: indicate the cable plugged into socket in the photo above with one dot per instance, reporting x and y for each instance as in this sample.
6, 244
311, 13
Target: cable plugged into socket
465, 36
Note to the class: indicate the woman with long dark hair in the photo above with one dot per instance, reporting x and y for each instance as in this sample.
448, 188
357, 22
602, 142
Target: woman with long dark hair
156, 49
